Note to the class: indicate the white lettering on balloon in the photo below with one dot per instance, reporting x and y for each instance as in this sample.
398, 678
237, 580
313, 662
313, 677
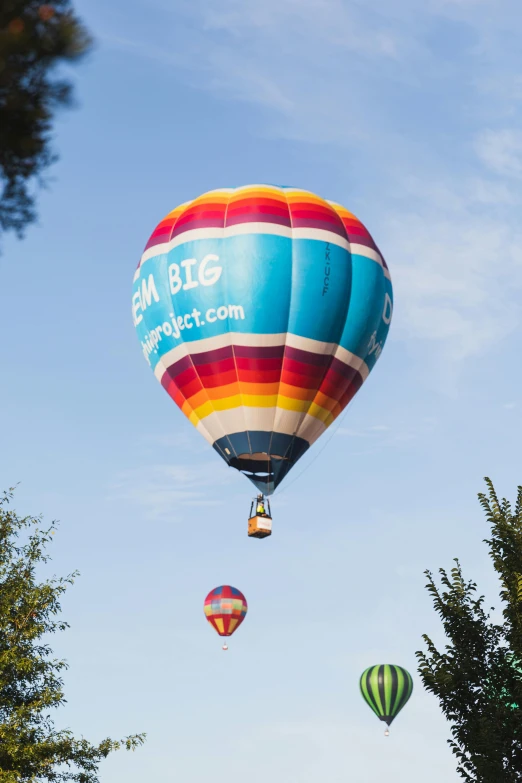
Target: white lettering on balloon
181, 275
374, 346
179, 323
143, 298
388, 309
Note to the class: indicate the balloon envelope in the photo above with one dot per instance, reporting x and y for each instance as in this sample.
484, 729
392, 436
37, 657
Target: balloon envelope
386, 689
225, 609
261, 310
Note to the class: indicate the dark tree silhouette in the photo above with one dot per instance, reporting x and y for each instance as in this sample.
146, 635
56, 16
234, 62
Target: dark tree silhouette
34, 39
477, 678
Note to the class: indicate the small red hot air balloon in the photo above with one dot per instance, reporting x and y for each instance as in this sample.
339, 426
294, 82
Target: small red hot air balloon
225, 608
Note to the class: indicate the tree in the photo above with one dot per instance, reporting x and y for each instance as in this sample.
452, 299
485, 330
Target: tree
34, 39
478, 677
31, 748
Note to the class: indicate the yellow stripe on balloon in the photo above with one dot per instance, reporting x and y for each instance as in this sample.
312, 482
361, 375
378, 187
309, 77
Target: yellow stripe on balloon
210, 198
342, 211
291, 404
258, 190
200, 413
320, 413
268, 401
298, 196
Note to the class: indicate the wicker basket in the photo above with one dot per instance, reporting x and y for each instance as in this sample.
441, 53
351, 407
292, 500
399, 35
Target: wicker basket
260, 526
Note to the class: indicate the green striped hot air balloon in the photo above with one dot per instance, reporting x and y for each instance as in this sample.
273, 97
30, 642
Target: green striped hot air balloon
386, 688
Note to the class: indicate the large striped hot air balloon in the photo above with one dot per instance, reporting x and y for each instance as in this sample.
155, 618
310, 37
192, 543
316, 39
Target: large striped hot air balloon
225, 609
386, 689
261, 310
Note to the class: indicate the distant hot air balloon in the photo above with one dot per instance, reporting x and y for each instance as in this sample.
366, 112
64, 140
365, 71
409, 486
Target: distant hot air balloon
261, 310
386, 688
225, 609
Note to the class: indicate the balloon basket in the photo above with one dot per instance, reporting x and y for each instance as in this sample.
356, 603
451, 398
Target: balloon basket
260, 526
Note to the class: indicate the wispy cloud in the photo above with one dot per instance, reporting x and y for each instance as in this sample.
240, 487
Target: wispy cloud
161, 489
306, 62
501, 151
380, 436
329, 70
333, 21
456, 274
175, 441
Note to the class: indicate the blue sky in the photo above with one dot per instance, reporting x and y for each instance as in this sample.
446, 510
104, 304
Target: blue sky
409, 115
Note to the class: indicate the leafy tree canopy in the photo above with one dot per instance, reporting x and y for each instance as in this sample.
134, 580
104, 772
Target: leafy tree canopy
477, 677
31, 748
35, 37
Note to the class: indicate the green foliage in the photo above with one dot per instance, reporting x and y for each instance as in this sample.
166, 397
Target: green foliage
31, 749
475, 678
34, 38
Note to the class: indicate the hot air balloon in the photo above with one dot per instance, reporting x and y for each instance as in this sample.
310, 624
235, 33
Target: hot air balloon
386, 689
261, 310
225, 609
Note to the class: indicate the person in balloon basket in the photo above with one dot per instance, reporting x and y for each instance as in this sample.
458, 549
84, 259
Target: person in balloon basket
260, 507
